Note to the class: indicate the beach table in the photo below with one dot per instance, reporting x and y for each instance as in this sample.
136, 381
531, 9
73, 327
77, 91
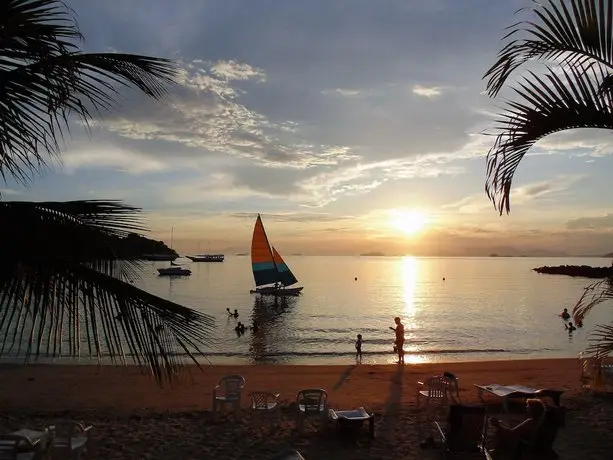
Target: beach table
353, 418
517, 391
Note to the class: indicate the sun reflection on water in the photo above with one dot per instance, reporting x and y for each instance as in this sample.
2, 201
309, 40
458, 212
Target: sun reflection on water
409, 280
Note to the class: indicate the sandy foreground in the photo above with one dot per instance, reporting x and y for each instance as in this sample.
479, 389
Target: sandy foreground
134, 418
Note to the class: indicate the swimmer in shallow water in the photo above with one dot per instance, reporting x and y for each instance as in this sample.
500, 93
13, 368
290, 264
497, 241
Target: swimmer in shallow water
569, 327
565, 314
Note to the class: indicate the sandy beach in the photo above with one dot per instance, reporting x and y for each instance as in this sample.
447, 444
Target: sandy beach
134, 418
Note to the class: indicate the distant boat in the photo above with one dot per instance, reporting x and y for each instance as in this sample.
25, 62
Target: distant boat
271, 274
158, 257
174, 269
207, 258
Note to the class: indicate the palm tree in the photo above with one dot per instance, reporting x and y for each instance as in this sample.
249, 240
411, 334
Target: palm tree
65, 285
574, 89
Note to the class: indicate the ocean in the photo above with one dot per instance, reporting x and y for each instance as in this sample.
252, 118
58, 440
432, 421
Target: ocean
453, 309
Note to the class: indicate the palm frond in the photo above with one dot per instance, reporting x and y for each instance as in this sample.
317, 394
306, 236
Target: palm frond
44, 78
578, 35
600, 342
85, 232
61, 289
547, 104
55, 307
601, 339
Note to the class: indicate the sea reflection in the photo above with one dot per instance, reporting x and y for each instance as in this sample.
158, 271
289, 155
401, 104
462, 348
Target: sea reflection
409, 280
270, 314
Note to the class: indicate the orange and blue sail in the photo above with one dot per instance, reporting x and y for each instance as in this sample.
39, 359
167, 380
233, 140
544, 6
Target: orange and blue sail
286, 277
267, 265
262, 263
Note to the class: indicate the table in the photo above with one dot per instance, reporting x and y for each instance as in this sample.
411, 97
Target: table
354, 416
513, 391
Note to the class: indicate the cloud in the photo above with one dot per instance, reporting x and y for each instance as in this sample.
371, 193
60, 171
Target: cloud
9, 192
342, 92
205, 114
301, 217
520, 195
596, 222
232, 70
427, 91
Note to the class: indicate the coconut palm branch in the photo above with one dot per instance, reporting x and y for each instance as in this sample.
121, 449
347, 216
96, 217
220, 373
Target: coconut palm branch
65, 277
45, 79
575, 35
63, 290
546, 104
601, 340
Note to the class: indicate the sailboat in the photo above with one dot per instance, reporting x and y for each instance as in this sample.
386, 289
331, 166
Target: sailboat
208, 257
174, 269
271, 274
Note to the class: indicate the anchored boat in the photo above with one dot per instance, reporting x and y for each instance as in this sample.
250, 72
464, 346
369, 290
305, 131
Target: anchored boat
271, 274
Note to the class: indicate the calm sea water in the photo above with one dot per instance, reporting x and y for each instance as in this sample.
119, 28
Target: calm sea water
486, 308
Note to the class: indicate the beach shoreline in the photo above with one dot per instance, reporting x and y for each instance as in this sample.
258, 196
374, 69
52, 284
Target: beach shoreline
125, 389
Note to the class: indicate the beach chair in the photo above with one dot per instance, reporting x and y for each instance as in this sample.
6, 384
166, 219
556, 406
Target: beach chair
290, 454
311, 402
436, 388
68, 439
266, 404
541, 446
465, 433
228, 391
12, 447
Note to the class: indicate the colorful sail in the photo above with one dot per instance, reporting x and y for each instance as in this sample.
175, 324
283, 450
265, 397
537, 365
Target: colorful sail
286, 277
262, 263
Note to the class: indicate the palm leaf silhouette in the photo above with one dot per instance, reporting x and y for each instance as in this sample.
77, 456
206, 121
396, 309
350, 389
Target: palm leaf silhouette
65, 281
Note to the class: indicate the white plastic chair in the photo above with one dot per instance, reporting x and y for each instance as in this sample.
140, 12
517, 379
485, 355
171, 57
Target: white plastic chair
266, 404
311, 402
68, 439
228, 391
435, 389
9, 447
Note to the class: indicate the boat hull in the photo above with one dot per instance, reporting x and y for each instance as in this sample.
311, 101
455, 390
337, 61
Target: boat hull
174, 271
207, 258
278, 292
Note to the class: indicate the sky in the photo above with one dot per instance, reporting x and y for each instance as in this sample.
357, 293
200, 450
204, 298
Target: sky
352, 126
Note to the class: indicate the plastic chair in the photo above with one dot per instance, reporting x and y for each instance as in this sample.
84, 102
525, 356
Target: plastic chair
228, 391
266, 404
11, 444
68, 439
311, 402
436, 389
465, 433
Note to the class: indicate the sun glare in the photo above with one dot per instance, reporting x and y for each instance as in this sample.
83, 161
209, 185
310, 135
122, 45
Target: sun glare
409, 222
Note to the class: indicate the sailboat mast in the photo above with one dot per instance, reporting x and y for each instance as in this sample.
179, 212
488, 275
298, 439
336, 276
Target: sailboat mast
172, 233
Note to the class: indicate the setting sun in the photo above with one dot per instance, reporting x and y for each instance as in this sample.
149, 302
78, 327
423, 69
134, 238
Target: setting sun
408, 221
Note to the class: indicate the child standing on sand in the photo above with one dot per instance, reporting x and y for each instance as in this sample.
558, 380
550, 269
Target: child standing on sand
358, 348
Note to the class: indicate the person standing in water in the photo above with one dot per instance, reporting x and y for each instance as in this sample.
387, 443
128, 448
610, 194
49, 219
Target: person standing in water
358, 349
399, 343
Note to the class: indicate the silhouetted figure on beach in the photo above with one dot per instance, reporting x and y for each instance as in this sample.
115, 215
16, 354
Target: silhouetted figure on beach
399, 342
229, 312
358, 348
565, 315
235, 313
254, 327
